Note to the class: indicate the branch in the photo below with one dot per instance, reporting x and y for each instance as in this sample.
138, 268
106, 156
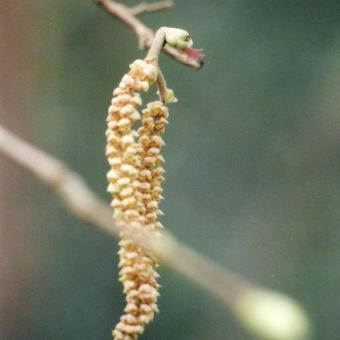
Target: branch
71, 188
258, 309
85, 205
144, 34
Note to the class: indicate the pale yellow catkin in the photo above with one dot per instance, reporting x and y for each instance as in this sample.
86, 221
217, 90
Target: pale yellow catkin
135, 181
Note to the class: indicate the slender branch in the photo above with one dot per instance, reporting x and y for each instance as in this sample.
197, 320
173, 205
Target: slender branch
123, 13
146, 8
144, 34
88, 207
246, 301
77, 196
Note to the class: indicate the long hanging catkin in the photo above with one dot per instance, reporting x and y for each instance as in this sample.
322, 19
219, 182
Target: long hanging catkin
134, 181
136, 175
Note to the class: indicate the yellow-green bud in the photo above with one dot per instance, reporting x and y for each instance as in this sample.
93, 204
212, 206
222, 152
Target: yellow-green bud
272, 316
178, 38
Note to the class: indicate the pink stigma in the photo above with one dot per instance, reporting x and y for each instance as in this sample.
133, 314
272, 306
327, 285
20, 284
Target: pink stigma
194, 54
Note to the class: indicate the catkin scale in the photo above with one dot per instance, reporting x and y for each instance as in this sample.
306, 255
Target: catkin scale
134, 180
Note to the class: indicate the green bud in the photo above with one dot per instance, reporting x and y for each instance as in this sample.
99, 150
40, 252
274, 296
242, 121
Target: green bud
272, 316
178, 38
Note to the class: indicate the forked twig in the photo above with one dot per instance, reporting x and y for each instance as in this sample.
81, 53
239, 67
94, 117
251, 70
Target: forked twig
144, 34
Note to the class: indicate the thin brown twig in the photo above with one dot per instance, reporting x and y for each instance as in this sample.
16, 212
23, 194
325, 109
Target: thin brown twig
146, 8
144, 34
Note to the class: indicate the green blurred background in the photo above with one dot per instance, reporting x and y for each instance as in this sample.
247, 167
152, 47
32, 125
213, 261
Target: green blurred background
252, 159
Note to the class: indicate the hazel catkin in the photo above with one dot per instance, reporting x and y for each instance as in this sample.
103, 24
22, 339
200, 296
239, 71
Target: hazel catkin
135, 179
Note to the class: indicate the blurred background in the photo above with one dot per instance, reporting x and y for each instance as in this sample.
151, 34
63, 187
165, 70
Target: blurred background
252, 159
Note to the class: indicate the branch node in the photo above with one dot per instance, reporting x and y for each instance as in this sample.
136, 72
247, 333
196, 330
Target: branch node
144, 34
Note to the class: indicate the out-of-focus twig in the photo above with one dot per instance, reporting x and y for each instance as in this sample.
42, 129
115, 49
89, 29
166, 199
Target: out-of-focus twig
144, 34
69, 185
88, 207
269, 315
